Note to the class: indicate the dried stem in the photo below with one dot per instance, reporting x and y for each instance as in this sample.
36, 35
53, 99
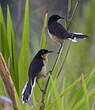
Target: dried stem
5, 75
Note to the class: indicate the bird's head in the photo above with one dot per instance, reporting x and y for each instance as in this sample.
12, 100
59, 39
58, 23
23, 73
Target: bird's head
43, 53
54, 18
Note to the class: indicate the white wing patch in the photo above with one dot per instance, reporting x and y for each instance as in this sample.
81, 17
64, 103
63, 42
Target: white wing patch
33, 85
24, 88
78, 33
31, 90
73, 40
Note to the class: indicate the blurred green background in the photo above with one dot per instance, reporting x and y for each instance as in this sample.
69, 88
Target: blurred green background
81, 56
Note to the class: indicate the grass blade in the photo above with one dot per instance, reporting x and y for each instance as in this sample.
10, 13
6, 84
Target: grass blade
85, 93
43, 35
25, 52
80, 103
68, 89
79, 92
12, 50
55, 92
3, 39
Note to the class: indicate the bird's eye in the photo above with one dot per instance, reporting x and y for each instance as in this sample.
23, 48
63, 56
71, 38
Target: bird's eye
43, 51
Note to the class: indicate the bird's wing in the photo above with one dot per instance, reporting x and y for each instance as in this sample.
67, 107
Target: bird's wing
35, 68
58, 30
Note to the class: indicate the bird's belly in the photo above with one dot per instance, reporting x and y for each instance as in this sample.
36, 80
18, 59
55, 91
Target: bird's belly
55, 38
43, 71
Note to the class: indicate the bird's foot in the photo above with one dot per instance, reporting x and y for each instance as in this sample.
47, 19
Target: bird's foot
58, 52
43, 91
50, 72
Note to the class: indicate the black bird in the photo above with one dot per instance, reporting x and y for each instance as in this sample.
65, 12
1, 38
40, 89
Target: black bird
58, 33
37, 69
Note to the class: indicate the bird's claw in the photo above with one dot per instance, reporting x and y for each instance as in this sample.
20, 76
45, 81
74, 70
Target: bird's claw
58, 52
50, 72
43, 91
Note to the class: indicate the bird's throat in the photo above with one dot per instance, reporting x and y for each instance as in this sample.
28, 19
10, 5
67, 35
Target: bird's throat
44, 57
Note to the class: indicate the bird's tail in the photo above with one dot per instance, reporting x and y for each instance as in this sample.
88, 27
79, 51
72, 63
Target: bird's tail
27, 90
74, 36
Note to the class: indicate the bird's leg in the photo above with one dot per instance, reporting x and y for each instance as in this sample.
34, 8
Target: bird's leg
61, 44
39, 86
44, 75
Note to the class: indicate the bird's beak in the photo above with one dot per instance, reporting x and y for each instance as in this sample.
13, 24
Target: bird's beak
52, 52
62, 18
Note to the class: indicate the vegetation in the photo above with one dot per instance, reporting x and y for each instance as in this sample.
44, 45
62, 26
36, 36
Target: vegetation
72, 83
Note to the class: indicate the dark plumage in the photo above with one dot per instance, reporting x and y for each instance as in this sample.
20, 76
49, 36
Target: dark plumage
58, 33
37, 69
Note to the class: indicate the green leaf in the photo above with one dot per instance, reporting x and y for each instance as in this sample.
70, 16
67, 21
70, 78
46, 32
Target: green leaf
12, 51
80, 103
55, 92
25, 52
79, 92
43, 35
3, 38
68, 89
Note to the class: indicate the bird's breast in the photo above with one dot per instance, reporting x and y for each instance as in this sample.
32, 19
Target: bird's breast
44, 65
43, 69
